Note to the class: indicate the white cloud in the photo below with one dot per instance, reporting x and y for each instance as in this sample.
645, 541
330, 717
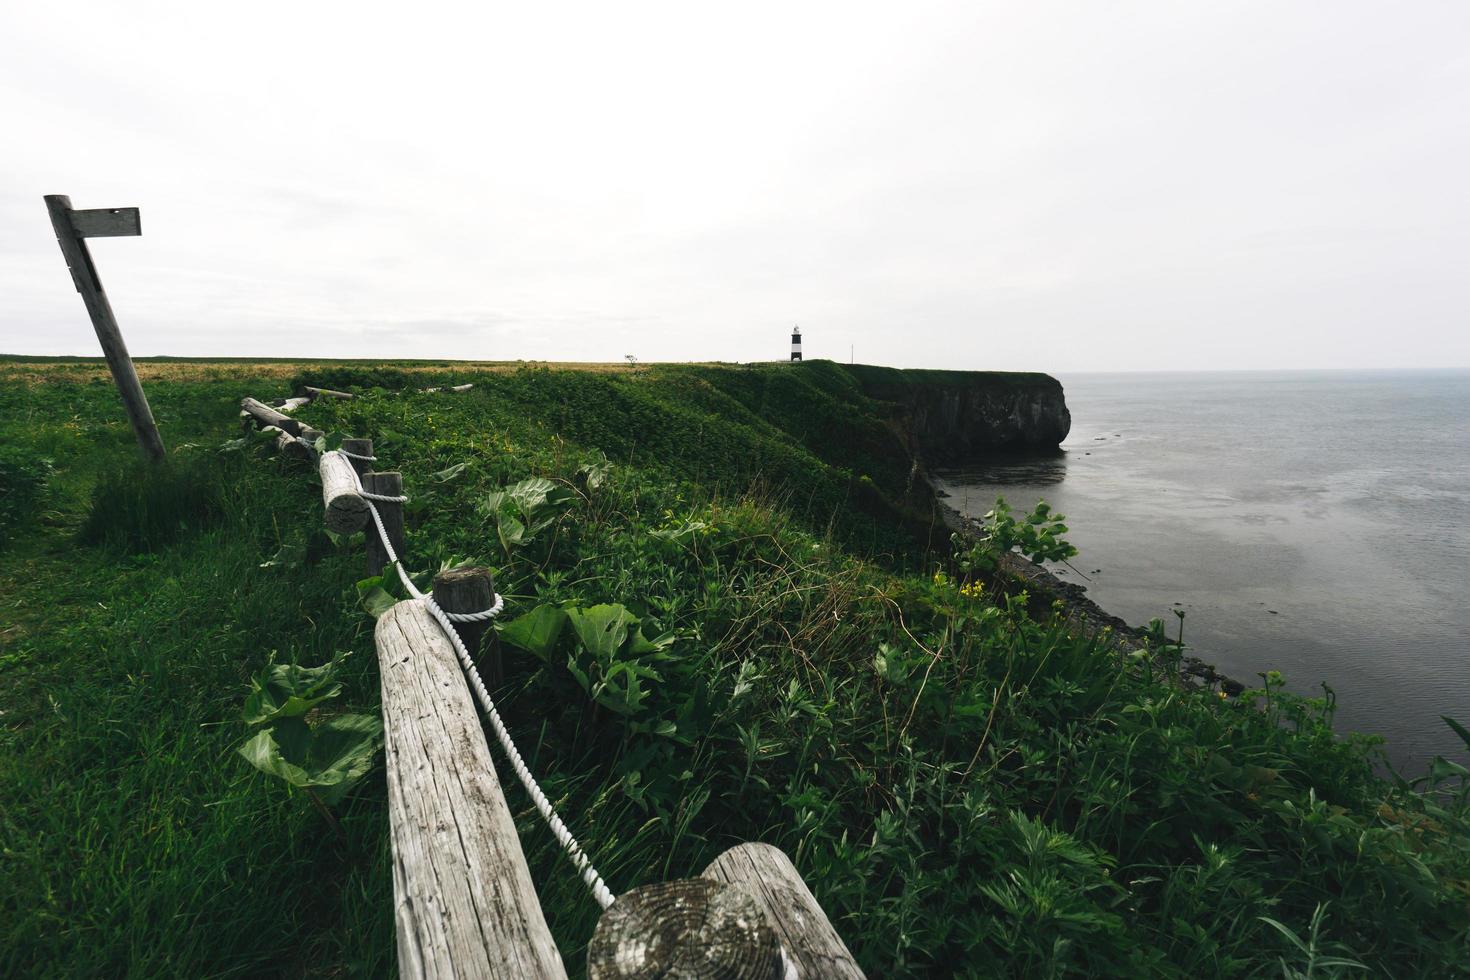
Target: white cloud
1052, 186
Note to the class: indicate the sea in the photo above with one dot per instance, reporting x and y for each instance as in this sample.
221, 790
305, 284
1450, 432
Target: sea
1314, 523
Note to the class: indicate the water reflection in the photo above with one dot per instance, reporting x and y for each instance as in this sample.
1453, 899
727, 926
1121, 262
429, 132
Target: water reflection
1029, 469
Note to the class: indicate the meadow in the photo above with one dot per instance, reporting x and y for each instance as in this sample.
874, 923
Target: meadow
967, 787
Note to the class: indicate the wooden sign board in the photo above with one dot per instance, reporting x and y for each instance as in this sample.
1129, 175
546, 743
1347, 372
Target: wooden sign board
106, 223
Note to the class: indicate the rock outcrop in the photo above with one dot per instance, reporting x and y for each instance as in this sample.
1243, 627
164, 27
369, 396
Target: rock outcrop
955, 417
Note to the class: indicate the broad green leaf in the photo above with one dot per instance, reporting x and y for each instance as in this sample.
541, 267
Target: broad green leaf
374, 594
445, 475
289, 690
602, 629
530, 493
593, 475
512, 531
495, 502
1441, 768
641, 645
327, 758
537, 631
377, 602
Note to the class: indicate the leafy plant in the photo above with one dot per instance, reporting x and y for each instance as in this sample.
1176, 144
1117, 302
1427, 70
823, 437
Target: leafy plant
290, 690
325, 757
1037, 535
523, 510
612, 657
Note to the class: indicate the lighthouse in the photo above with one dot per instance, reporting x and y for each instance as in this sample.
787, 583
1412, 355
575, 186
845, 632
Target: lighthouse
796, 343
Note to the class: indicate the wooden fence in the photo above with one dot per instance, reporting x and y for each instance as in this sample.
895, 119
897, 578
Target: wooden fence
465, 904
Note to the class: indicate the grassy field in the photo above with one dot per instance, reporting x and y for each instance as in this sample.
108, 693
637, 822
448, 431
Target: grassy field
967, 788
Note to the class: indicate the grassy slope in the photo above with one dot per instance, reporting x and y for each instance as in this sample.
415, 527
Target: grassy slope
960, 784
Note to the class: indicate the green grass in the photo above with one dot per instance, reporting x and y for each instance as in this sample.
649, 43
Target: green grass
966, 787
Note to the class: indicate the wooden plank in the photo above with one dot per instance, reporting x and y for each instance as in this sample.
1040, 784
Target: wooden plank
463, 901
346, 510
84, 276
106, 222
810, 942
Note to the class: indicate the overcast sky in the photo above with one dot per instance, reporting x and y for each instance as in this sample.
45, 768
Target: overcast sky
1049, 186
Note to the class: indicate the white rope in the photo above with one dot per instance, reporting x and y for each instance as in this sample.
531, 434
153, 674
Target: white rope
365, 459
479, 617
593, 880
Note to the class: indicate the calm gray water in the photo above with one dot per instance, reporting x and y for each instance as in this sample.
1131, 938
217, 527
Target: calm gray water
1316, 523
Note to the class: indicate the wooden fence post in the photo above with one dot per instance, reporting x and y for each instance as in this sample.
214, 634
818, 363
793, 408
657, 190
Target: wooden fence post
346, 510
359, 447
806, 935
389, 485
466, 590
263, 415
315, 393
690, 930
463, 900
72, 230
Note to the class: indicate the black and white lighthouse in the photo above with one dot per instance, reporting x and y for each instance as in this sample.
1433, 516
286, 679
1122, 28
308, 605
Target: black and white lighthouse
796, 343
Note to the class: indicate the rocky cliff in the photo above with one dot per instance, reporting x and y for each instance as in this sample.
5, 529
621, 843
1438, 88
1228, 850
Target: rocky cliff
954, 417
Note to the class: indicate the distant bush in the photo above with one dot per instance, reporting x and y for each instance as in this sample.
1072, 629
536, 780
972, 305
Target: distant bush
22, 477
144, 506
347, 377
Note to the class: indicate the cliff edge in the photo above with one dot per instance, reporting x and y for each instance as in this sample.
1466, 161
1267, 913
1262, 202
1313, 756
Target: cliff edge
953, 417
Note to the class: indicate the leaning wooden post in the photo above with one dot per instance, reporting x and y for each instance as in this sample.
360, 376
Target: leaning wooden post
358, 447
690, 930
463, 900
806, 935
72, 230
389, 485
466, 590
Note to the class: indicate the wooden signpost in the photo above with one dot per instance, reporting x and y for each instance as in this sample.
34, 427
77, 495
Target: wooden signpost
73, 228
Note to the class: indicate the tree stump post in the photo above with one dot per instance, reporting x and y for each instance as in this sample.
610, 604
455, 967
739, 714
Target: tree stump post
390, 485
805, 933
693, 929
359, 447
466, 590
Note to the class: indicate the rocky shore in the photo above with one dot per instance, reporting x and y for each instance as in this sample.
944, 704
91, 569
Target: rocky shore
1083, 616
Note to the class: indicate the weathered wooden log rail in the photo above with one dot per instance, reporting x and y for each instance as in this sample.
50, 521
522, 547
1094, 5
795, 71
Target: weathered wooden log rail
465, 904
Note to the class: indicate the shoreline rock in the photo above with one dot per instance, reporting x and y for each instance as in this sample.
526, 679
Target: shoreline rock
1082, 614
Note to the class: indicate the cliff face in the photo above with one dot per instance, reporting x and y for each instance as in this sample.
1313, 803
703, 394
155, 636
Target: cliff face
954, 417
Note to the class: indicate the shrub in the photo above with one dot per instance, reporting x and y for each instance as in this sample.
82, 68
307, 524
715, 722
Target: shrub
143, 506
22, 477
